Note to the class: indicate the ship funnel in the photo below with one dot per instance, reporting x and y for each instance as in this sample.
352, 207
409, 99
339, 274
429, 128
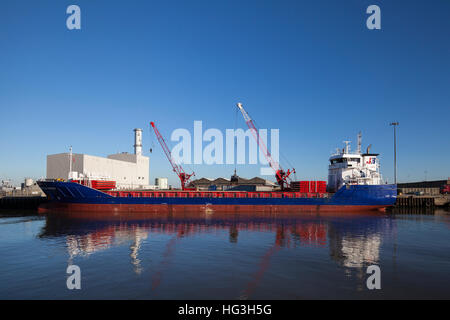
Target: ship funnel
138, 141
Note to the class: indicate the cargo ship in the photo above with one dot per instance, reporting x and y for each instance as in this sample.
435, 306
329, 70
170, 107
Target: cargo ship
71, 196
354, 184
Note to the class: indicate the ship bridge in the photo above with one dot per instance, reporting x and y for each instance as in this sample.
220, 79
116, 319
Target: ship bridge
347, 167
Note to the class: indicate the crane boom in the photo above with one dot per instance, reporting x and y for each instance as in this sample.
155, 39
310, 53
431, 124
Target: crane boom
178, 169
281, 176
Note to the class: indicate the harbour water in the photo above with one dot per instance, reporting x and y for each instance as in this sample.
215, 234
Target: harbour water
225, 256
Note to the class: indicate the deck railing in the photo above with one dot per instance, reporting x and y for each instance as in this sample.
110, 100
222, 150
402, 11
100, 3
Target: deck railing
213, 194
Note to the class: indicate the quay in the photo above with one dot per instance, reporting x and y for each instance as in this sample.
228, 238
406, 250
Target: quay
424, 194
29, 203
422, 201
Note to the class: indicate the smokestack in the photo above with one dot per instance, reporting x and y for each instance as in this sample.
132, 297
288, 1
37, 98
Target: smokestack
138, 141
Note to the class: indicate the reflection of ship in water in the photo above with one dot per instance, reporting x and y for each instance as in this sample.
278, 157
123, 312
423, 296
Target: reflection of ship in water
87, 233
98, 240
354, 240
355, 245
355, 252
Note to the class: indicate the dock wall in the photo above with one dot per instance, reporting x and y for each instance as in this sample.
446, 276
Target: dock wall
29, 203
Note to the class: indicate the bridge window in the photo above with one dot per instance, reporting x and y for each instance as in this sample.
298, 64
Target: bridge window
334, 161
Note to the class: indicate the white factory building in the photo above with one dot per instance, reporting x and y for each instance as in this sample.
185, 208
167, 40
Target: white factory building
162, 183
130, 171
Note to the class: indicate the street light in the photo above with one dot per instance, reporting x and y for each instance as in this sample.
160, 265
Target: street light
395, 124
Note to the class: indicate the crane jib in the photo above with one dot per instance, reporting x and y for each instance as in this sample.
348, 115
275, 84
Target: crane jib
281, 176
178, 169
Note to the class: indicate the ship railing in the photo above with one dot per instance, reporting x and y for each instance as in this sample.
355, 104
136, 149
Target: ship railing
214, 194
360, 181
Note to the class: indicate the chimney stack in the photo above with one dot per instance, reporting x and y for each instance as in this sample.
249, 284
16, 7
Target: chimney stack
138, 141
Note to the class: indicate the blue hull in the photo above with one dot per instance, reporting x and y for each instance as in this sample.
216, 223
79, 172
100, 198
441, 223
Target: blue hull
364, 196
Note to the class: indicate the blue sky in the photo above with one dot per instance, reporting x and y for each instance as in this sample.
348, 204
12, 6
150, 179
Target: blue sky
310, 68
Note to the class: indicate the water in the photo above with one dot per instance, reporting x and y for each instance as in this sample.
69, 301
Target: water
225, 256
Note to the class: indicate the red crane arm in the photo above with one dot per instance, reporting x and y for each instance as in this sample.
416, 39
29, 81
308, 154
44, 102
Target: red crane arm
273, 164
280, 174
184, 177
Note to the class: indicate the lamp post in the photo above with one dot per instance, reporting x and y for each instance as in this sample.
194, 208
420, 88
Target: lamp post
395, 124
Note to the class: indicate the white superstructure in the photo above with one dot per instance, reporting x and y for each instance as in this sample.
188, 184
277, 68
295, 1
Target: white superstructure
353, 168
129, 171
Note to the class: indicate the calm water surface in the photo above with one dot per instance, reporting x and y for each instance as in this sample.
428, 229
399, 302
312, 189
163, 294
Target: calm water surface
225, 256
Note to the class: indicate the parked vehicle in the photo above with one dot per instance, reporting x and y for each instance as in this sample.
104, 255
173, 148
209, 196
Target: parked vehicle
445, 189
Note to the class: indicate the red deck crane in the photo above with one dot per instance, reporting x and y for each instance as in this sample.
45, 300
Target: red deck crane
184, 177
282, 176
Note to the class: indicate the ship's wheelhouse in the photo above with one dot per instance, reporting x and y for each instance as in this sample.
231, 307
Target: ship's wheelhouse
346, 167
348, 161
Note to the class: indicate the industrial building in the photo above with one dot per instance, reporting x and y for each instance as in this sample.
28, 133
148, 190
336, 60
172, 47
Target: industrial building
236, 183
162, 183
129, 171
28, 188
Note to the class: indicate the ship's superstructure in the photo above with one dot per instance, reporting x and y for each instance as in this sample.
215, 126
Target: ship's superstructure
353, 168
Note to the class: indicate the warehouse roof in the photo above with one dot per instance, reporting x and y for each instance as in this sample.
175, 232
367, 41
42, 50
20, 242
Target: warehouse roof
223, 181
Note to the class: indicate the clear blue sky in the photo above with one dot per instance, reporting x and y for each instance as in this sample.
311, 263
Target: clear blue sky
310, 68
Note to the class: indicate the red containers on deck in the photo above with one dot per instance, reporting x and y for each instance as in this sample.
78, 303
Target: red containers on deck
97, 184
321, 186
103, 185
304, 186
309, 186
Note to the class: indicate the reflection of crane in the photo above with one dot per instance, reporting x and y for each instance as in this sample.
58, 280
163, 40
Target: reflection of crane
257, 277
310, 233
167, 255
170, 249
281, 175
184, 177
265, 262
